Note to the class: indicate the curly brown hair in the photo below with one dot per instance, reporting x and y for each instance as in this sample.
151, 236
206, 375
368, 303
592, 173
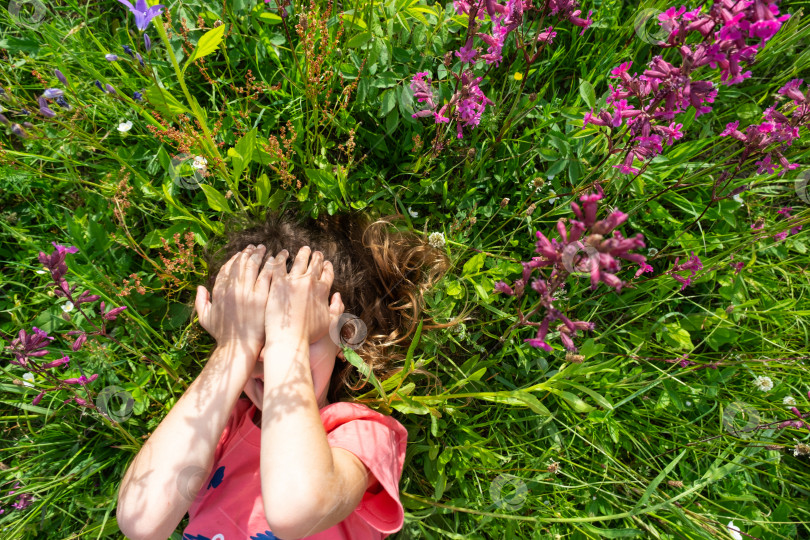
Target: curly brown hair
381, 271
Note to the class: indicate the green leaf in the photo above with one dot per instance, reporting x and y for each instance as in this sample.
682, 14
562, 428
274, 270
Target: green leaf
244, 150
263, 190
275, 201
407, 405
365, 370
207, 44
518, 397
359, 40
658, 479
216, 200
475, 264
587, 93
388, 100
164, 102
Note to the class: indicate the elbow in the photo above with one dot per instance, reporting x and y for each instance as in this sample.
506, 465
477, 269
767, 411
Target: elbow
294, 518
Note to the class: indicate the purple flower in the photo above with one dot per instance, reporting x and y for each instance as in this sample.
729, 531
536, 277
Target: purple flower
44, 110
62, 102
111, 57
98, 84
143, 13
109, 89
128, 50
60, 76
137, 96
112, 314
467, 53
547, 35
81, 380
502, 287
52, 93
147, 42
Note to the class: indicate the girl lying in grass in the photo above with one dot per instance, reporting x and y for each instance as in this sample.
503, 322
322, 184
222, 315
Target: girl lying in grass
291, 460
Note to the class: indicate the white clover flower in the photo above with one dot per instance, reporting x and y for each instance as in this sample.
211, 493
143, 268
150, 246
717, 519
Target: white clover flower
413, 213
554, 197
199, 162
67, 306
652, 252
789, 401
801, 449
734, 531
436, 240
123, 127
763, 383
28, 377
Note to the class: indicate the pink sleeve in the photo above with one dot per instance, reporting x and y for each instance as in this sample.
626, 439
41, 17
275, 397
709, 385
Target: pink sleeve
380, 444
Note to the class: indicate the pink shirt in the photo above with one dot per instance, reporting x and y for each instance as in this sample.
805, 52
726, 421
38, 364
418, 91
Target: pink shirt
229, 505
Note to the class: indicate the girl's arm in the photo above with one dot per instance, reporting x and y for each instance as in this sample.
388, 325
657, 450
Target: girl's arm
307, 486
167, 473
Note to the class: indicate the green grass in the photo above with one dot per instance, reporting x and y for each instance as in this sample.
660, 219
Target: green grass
643, 447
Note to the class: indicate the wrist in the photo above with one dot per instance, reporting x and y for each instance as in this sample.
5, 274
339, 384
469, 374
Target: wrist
236, 348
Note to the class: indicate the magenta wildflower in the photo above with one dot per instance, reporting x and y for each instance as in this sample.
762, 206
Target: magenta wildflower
588, 245
693, 265
467, 53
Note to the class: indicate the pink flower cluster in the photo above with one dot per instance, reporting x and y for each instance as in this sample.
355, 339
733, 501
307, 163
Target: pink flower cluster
664, 90
583, 247
469, 102
693, 264
775, 129
798, 424
793, 230
23, 499
26, 347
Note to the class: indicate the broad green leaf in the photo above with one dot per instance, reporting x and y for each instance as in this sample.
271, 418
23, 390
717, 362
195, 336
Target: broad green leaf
207, 44
388, 100
242, 153
359, 40
275, 201
262, 190
475, 264
216, 200
587, 93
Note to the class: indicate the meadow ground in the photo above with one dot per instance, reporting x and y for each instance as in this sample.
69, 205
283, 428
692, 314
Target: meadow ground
622, 190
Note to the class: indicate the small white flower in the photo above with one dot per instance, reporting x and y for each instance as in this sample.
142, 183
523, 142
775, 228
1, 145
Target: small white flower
67, 306
199, 163
652, 252
123, 127
41, 272
763, 383
28, 377
688, 403
554, 197
738, 198
413, 213
789, 401
734, 531
436, 240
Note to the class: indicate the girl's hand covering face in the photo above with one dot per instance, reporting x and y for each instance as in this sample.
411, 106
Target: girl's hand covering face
235, 314
298, 303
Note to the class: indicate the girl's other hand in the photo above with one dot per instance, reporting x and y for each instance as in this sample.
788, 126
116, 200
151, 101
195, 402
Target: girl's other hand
235, 314
298, 303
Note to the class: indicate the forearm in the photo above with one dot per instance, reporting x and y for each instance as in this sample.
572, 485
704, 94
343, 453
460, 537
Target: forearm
167, 473
296, 459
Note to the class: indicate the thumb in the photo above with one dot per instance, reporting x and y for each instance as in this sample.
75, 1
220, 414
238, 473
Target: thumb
336, 307
201, 304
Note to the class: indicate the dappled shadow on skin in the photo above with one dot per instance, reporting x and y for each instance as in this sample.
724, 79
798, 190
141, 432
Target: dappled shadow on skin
178, 457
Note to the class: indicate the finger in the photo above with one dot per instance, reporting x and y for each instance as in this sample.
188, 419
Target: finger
316, 265
254, 260
301, 261
262, 285
336, 307
224, 274
328, 274
201, 304
280, 265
